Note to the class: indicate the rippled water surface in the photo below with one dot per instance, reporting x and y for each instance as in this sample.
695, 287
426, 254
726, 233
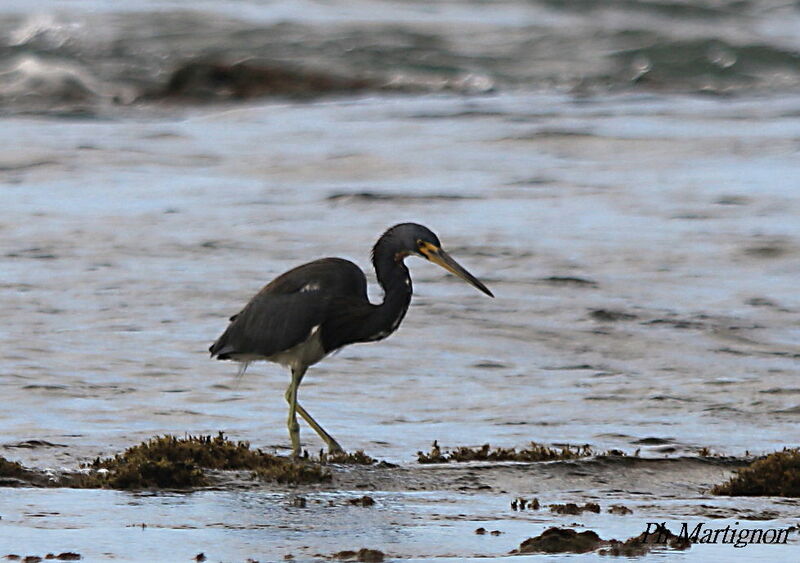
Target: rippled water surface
623, 178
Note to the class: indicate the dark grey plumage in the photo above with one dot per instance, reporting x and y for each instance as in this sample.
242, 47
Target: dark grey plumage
314, 309
283, 313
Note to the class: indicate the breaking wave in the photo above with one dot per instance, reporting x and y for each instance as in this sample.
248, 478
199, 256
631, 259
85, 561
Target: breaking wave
88, 62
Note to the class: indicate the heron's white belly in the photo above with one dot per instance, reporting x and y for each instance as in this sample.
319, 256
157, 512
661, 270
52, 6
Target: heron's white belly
306, 353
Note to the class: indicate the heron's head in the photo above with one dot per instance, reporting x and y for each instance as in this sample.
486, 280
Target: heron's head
413, 239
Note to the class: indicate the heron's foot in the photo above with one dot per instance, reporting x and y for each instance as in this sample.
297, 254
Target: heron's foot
334, 447
294, 436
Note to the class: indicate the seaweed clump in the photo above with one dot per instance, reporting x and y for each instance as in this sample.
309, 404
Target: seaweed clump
561, 540
644, 542
520, 503
567, 540
66, 556
346, 458
171, 462
363, 555
574, 509
619, 509
535, 452
777, 474
362, 501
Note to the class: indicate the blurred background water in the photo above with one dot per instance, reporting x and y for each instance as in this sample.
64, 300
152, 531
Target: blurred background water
88, 56
622, 174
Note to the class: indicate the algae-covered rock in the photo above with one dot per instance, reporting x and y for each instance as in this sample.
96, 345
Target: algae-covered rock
567, 540
644, 542
347, 458
619, 509
10, 468
171, 462
777, 474
561, 540
218, 80
574, 509
363, 555
534, 452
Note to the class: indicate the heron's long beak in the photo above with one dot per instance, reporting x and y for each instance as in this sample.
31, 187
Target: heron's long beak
443, 259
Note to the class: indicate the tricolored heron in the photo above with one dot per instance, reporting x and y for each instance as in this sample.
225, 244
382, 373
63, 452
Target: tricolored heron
308, 312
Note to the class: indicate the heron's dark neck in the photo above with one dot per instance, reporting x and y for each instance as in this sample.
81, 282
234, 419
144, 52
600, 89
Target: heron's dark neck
395, 280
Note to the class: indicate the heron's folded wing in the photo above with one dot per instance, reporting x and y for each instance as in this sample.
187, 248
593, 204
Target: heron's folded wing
271, 323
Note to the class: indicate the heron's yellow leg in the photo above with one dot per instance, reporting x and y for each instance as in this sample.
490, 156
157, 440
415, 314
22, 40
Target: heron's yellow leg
291, 398
291, 423
333, 445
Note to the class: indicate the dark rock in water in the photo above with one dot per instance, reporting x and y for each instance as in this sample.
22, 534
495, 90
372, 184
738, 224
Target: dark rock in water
362, 501
619, 509
30, 444
394, 197
570, 280
774, 250
363, 555
732, 200
644, 542
489, 365
574, 509
561, 540
567, 540
653, 441
676, 323
210, 81
10, 468
607, 315
521, 503
761, 302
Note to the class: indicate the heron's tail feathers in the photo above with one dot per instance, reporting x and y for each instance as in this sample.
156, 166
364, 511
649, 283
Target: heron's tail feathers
221, 350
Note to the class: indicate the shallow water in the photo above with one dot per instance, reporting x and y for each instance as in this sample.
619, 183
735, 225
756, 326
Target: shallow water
129, 235
132, 242
433, 522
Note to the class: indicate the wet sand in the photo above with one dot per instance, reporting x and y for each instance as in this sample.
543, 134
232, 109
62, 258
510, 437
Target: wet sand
419, 512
